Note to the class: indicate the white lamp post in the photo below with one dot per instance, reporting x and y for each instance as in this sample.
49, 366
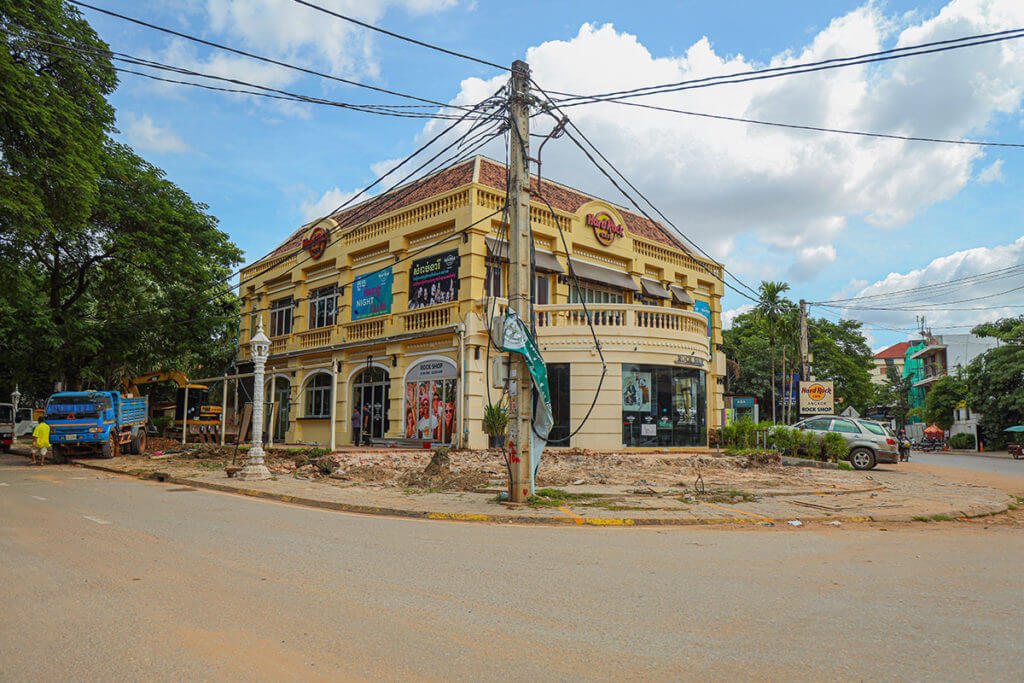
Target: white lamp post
15, 397
255, 469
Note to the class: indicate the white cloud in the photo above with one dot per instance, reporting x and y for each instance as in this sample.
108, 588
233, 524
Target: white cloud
789, 190
146, 136
729, 317
810, 261
288, 32
993, 173
327, 202
960, 304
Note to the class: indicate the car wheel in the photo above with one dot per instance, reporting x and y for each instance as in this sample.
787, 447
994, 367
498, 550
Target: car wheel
862, 459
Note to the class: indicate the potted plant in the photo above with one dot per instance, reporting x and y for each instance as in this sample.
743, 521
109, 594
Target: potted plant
495, 424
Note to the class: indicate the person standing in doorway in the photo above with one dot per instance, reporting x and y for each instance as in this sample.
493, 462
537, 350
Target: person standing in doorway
367, 424
357, 425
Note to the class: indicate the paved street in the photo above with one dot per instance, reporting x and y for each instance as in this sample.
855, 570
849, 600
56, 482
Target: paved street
111, 577
997, 464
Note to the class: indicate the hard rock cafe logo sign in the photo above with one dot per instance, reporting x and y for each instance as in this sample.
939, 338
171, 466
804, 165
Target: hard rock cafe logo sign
605, 229
317, 242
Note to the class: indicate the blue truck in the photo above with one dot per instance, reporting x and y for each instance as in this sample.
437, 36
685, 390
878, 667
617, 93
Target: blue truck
103, 422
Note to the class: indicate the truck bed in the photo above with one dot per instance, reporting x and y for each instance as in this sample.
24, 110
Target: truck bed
134, 411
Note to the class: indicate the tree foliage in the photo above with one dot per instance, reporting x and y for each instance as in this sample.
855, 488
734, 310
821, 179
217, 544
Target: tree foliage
841, 354
995, 381
106, 267
943, 398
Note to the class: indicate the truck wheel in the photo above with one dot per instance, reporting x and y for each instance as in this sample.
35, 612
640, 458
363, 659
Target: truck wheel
138, 445
60, 456
862, 459
110, 448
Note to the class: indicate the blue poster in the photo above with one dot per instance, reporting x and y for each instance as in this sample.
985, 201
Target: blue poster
704, 309
371, 294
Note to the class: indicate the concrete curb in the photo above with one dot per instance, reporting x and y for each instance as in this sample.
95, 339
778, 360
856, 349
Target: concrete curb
575, 520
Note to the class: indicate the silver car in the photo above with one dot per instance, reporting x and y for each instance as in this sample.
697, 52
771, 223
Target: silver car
870, 442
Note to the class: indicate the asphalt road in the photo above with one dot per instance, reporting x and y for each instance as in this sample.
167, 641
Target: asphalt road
107, 577
996, 464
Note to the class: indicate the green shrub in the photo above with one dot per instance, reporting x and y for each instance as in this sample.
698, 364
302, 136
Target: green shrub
745, 434
807, 444
783, 439
162, 423
834, 447
962, 441
495, 420
729, 436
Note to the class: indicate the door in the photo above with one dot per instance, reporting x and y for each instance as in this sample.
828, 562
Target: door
282, 396
371, 396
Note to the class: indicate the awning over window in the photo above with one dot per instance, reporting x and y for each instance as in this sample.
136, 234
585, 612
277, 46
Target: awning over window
652, 288
604, 276
680, 295
544, 261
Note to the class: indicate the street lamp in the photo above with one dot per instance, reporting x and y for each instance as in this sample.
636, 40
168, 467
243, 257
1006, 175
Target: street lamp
260, 348
15, 397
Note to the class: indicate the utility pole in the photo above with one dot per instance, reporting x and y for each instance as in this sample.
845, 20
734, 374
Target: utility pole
520, 388
805, 374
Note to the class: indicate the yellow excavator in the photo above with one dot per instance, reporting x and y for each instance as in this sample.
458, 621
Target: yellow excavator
199, 411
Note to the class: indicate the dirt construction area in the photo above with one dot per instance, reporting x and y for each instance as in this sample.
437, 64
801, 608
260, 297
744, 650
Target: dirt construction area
573, 486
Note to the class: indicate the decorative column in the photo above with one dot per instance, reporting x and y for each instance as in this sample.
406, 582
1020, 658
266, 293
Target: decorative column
260, 348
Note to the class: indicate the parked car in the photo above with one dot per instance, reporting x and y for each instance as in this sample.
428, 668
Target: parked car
870, 442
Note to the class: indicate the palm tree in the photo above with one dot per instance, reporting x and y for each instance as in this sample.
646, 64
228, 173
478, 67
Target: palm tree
770, 308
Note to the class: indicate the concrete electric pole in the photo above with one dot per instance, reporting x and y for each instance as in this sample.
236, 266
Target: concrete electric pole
520, 388
805, 374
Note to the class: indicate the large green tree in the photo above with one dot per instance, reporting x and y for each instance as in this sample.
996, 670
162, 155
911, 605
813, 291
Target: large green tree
841, 354
771, 309
943, 398
106, 267
995, 380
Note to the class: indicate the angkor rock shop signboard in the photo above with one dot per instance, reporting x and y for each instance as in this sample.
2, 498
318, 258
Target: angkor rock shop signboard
434, 280
817, 398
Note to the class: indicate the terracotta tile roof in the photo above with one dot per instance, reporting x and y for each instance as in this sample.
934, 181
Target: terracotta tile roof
438, 183
492, 173
894, 351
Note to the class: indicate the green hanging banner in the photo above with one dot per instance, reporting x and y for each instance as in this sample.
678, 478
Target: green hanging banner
517, 339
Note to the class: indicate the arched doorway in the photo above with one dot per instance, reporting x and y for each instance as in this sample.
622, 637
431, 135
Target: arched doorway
282, 396
371, 388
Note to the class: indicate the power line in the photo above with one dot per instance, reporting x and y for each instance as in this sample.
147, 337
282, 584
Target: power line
807, 67
648, 201
383, 110
388, 199
820, 129
998, 273
399, 36
925, 306
261, 58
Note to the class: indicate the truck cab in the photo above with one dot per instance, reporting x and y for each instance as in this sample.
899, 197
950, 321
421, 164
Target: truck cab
96, 421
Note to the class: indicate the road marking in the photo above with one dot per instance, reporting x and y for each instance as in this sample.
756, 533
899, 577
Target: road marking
579, 520
96, 519
38, 497
752, 514
4, 483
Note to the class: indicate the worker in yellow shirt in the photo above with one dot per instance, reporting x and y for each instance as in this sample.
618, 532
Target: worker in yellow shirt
41, 441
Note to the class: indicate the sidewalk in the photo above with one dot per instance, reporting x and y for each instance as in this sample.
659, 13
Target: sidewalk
887, 495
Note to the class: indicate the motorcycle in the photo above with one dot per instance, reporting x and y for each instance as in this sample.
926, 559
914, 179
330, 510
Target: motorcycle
904, 449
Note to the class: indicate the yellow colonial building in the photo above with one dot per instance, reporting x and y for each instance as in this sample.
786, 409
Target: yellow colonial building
379, 316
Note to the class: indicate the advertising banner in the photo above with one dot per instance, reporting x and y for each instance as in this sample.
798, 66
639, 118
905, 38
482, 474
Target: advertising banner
371, 294
517, 339
434, 280
704, 308
636, 391
817, 398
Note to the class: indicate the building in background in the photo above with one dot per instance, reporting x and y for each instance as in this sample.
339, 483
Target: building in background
379, 316
892, 357
947, 354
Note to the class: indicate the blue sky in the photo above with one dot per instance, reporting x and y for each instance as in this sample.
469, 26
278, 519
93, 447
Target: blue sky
835, 217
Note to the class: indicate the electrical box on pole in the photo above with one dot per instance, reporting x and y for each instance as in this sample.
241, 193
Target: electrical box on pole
520, 387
